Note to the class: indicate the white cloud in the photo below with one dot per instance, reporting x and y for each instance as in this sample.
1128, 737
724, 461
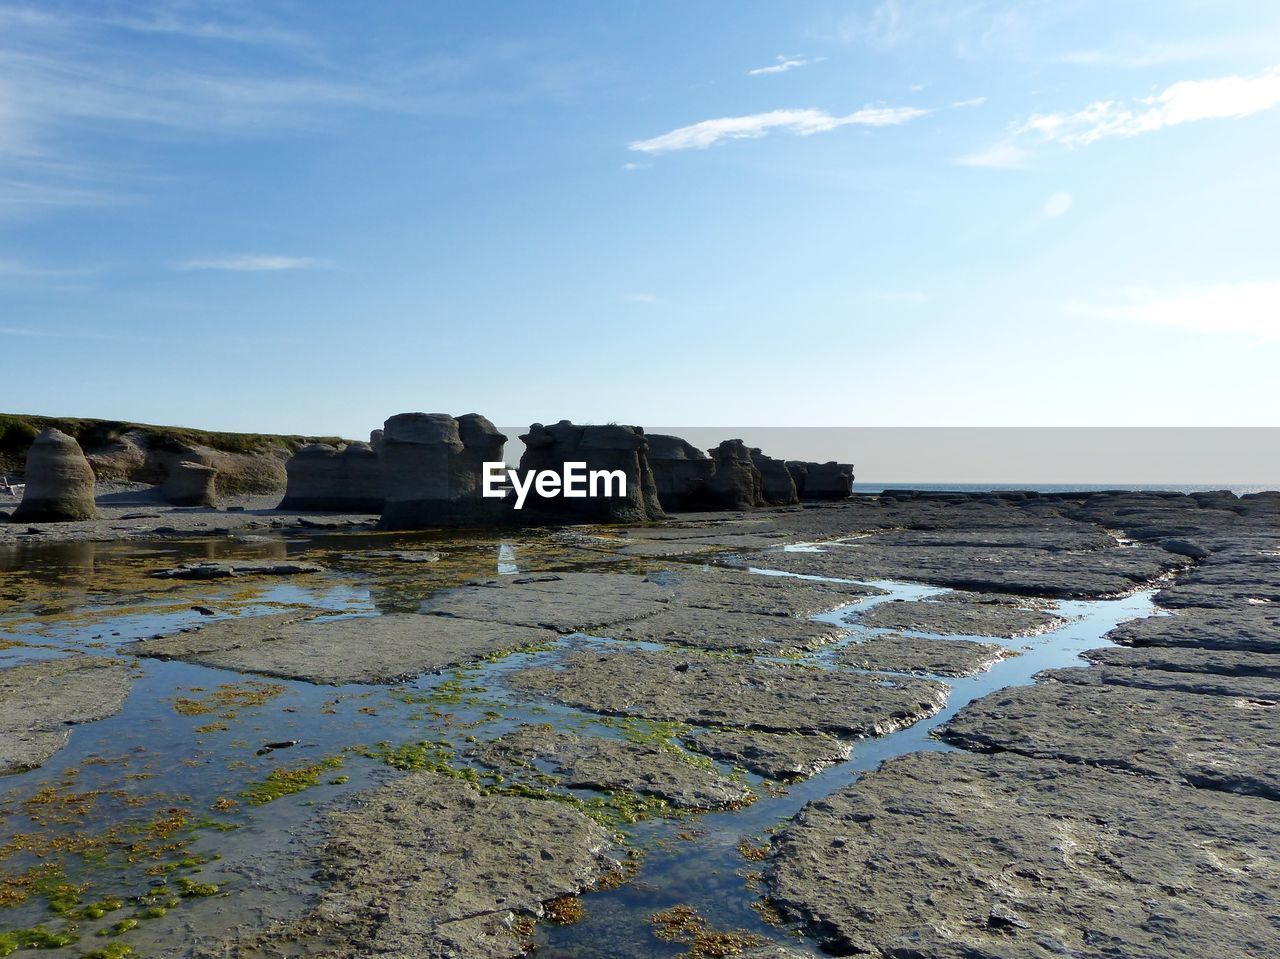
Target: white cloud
632, 167
782, 66
1251, 309
699, 136
253, 263
1187, 101
999, 156
971, 102
1057, 204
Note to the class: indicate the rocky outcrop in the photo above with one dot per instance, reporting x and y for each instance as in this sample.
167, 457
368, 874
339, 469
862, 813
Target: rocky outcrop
59, 481
605, 448
819, 481
680, 471
325, 479
736, 482
431, 471
777, 488
191, 484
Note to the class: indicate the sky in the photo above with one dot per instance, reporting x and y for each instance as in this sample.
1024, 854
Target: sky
307, 216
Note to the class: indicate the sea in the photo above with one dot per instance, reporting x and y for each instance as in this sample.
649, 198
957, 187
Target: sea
1238, 488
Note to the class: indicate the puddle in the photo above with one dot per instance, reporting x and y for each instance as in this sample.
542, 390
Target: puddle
189, 743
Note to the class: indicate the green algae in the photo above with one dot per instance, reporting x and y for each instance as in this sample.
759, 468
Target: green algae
287, 781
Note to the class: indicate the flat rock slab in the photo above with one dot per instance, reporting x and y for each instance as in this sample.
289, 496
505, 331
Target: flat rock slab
1259, 689
725, 692
954, 856
582, 762
775, 756
1215, 742
1245, 628
400, 555
1177, 659
957, 618
757, 593
1237, 576
896, 653
335, 650
565, 602
426, 867
725, 631
238, 568
1033, 571
40, 701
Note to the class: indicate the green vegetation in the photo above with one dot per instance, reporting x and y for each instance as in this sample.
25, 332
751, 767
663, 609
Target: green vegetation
285, 782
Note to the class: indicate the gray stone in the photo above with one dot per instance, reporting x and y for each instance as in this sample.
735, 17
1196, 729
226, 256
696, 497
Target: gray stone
736, 482
716, 588
912, 654
565, 602
822, 481
1259, 690
953, 856
725, 692
775, 756
40, 701
322, 478
432, 474
581, 762
680, 471
59, 481
726, 631
191, 484
1246, 629
334, 650
777, 488
225, 570
1213, 742
958, 618
1177, 659
611, 448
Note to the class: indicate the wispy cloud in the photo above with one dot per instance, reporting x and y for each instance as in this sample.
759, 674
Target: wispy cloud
782, 66
805, 122
1058, 204
1188, 101
999, 156
1250, 309
971, 102
253, 263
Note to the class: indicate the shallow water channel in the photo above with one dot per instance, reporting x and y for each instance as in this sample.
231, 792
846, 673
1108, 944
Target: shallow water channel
158, 807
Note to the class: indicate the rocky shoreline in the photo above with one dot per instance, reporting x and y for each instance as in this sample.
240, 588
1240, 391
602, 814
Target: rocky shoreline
618, 682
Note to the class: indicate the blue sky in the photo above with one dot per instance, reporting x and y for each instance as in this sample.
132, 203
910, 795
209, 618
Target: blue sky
305, 217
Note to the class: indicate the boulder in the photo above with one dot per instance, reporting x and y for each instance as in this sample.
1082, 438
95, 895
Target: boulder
59, 481
680, 471
777, 488
736, 482
830, 480
323, 478
191, 484
608, 447
432, 474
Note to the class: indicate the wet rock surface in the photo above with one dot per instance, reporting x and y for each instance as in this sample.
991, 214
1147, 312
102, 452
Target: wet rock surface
1245, 628
963, 618
1187, 660
774, 756
738, 694
334, 650
896, 653
565, 602
719, 629
226, 570
1218, 742
951, 855
715, 588
427, 867
595, 762
41, 701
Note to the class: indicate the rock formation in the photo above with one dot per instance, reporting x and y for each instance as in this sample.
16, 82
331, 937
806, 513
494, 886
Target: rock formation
324, 478
59, 481
190, 484
601, 448
777, 488
432, 474
680, 471
736, 482
828, 480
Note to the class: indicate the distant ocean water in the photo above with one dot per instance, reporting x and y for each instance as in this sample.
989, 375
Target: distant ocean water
1238, 488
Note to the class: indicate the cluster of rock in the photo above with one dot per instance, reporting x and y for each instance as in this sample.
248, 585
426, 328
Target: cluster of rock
426, 470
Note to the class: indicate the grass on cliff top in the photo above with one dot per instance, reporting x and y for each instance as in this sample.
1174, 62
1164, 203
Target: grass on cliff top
17, 430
